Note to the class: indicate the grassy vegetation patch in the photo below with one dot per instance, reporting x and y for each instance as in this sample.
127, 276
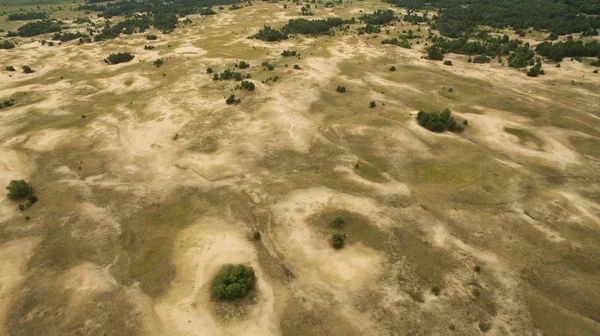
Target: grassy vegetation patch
357, 227
586, 146
524, 136
368, 172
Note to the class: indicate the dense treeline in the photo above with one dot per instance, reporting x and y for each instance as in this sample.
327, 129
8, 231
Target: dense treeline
461, 17
135, 25
490, 46
569, 48
37, 28
27, 16
312, 27
151, 7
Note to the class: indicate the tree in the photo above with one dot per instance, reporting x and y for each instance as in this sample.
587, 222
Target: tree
435, 53
337, 240
18, 189
233, 282
27, 69
243, 65
392, 68
232, 100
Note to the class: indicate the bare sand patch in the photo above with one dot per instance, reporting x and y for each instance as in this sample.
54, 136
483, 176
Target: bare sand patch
48, 139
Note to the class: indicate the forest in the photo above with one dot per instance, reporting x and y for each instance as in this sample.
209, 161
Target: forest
27, 16
461, 17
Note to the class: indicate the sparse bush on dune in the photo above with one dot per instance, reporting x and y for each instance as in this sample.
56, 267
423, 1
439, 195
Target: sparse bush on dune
337, 240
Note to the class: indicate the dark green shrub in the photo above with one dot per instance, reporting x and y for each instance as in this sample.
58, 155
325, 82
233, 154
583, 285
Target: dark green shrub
10, 68
341, 89
232, 100
448, 62
118, 58
151, 37
243, 65
436, 289
338, 240
6, 45
296, 66
465, 122
233, 282
209, 70
158, 62
438, 122
372, 104
481, 59
27, 69
31, 199
21, 207
18, 189
450, 90
256, 235
149, 47
476, 292
246, 85
392, 68
287, 53
477, 268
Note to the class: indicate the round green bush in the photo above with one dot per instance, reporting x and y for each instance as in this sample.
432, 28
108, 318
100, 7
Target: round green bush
233, 282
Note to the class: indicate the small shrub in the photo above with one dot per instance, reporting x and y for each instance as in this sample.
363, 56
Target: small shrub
209, 70
450, 90
215, 77
392, 68
233, 282
341, 89
477, 268
338, 240
256, 235
465, 122
436, 289
448, 62
476, 292
27, 218
27, 69
158, 62
21, 207
243, 65
10, 68
296, 66
595, 71
372, 104
18, 189
151, 37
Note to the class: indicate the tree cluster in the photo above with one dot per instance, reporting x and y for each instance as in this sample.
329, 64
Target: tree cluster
439, 122
118, 58
246, 85
379, 17
287, 53
312, 27
233, 282
4, 44
270, 35
65, 37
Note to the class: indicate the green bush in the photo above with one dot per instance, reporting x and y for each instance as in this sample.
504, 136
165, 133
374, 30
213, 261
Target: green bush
287, 53
27, 69
296, 66
243, 65
448, 62
10, 68
233, 282
232, 100
372, 104
439, 122
158, 62
392, 68
338, 240
209, 70
477, 268
18, 189
436, 289
256, 235
341, 89
21, 207
6, 45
